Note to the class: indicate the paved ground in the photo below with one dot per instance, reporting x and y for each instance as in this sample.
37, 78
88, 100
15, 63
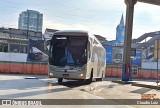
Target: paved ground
26, 87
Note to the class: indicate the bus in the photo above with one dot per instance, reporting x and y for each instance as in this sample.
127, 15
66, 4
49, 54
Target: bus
77, 55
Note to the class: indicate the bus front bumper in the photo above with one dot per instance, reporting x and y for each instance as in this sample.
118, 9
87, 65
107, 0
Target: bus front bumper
67, 75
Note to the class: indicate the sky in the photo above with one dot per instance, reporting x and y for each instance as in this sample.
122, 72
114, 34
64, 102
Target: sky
100, 17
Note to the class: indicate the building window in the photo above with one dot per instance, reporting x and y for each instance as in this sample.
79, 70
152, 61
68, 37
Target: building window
122, 33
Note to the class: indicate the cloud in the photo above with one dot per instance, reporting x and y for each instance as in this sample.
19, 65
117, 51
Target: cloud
140, 30
107, 2
152, 11
146, 19
61, 26
94, 28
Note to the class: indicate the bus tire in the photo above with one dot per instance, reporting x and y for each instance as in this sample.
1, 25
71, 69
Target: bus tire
60, 80
100, 79
89, 81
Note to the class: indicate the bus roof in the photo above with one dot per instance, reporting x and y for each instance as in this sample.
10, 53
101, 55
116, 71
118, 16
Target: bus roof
72, 32
76, 33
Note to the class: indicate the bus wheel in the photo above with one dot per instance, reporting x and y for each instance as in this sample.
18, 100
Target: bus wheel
89, 81
98, 79
60, 80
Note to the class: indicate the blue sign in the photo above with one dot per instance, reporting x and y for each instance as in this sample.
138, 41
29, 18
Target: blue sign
109, 55
137, 59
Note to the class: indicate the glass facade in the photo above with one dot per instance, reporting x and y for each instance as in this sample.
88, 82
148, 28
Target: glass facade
31, 20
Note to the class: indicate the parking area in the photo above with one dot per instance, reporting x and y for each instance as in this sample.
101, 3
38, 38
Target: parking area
18, 86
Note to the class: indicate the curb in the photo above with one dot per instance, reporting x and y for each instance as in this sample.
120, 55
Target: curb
146, 86
31, 78
137, 84
122, 82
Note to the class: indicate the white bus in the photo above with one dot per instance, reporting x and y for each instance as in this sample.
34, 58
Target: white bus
75, 54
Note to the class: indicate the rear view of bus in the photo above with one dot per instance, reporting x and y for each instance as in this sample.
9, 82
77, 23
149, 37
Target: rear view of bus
70, 55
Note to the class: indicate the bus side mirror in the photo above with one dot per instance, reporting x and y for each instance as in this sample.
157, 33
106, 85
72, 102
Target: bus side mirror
46, 43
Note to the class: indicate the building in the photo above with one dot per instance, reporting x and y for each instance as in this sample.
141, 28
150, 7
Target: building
146, 42
114, 48
30, 20
100, 38
120, 30
49, 33
16, 40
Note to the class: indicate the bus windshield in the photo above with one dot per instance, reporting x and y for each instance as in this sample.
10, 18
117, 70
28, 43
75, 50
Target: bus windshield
68, 51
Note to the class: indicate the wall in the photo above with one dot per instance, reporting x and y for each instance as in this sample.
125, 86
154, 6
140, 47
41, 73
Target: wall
24, 68
42, 69
13, 57
16, 63
141, 73
150, 65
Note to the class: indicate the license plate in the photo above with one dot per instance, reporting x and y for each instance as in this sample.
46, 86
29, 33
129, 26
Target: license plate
65, 75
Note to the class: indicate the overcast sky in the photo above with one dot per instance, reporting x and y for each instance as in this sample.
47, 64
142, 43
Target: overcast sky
98, 16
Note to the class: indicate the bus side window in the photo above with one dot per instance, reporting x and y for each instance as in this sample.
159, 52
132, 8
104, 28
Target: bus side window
88, 50
89, 55
92, 59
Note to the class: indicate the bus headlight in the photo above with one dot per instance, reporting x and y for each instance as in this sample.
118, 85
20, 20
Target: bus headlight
51, 74
81, 75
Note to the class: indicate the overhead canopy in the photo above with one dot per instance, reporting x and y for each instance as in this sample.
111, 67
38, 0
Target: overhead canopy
155, 2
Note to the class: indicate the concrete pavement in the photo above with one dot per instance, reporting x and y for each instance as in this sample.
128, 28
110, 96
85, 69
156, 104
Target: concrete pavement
26, 87
152, 84
18, 86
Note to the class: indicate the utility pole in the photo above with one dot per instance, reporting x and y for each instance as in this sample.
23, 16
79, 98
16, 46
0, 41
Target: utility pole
157, 61
128, 39
156, 56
